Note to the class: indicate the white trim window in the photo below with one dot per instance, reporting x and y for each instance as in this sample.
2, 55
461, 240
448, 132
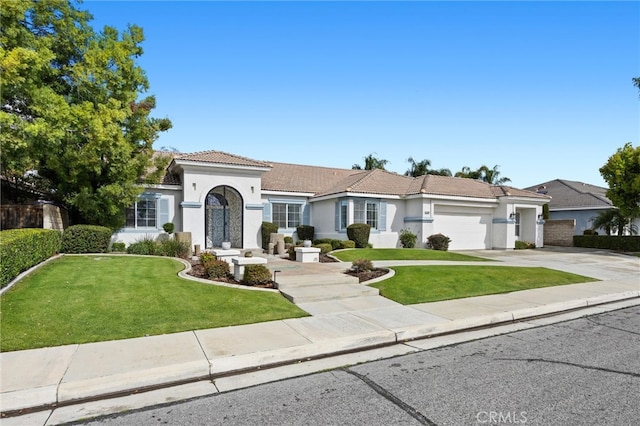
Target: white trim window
366, 212
149, 212
286, 215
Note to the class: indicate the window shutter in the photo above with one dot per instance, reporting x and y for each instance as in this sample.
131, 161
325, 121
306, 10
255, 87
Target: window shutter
382, 222
337, 218
266, 212
163, 212
306, 213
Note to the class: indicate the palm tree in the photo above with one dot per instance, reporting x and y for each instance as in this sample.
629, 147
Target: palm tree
492, 175
612, 221
371, 163
417, 169
466, 172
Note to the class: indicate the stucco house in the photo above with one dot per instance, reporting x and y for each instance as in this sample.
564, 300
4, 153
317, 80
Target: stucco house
217, 196
579, 201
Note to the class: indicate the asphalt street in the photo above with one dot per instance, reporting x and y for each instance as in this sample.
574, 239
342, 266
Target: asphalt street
579, 372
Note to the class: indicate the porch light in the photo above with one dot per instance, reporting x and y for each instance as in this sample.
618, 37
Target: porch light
512, 216
540, 217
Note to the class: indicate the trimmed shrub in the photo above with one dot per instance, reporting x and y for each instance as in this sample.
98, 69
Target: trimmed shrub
407, 238
267, 229
359, 233
256, 274
324, 247
20, 249
609, 242
524, 245
172, 248
306, 232
438, 242
335, 244
347, 244
206, 257
292, 252
144, 246
86, 239
288, 240
168, 227
118, 247
217, 269
362, 265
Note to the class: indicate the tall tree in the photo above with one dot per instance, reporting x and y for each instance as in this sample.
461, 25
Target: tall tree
622, 173
492, 175
71, 108
371, 163
416, 169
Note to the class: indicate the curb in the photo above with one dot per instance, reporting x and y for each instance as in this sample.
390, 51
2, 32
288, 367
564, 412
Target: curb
77, 392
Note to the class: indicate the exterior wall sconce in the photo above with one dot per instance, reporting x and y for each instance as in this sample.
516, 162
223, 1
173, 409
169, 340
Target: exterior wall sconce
194, 186
252, 189
540, 217
512, 216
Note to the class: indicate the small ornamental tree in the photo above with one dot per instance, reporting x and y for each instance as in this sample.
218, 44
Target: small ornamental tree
359, 233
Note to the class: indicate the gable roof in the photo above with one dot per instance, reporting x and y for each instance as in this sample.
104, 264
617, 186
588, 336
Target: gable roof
325, 181
568, 194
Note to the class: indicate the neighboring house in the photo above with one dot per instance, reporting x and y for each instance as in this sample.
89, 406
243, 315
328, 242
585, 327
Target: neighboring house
223, 197
575, 200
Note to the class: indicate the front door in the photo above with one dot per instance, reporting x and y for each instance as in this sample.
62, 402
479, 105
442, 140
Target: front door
223, 218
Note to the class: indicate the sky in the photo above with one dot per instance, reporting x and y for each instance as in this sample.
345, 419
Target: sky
540, 89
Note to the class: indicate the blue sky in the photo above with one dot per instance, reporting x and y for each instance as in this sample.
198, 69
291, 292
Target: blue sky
542, 89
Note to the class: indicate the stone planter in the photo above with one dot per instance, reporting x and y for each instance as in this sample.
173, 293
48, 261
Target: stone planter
226, 245
306, 243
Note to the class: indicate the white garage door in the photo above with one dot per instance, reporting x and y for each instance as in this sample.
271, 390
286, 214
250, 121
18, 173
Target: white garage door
468, 228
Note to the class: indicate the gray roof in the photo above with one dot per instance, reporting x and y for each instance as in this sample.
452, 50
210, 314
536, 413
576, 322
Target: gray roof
568, 194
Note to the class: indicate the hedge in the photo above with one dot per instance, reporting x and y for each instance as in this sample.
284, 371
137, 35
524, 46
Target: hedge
86, 239
20, 249
305, 232
610, 242
359, 232
267, 229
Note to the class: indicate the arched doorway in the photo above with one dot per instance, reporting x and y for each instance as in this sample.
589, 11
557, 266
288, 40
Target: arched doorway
223, 217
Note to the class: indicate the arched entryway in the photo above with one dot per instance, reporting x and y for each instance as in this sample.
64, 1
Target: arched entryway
223, 217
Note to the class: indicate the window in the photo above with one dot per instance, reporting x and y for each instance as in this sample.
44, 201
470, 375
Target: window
366, 212
142, 214
517, 224
343, 214
286, 215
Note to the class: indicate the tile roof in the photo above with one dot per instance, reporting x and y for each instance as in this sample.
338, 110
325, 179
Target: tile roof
219, 157
567, 194
323, 181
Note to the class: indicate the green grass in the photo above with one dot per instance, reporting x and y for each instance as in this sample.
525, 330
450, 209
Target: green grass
419, 284
403, 254
79, 299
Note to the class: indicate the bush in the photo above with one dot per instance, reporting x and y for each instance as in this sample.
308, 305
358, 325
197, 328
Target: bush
438, 242
362, 265
144, 246
524, 245
256, 274
609, 242
306, 232
407, 238
347, 244
86, 239
324, 247
118, 247
217, 269
168, 227
20, 249
206, 257
359, 233
589, 232
288, 240
172, 248
292, 252
267, 229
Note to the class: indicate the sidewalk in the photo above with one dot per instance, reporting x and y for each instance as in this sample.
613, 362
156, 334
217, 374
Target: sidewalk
41, 379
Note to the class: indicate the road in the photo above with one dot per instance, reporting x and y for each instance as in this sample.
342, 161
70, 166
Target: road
579, 372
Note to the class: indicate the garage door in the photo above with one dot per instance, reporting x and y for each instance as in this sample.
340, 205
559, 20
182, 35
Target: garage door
468, 228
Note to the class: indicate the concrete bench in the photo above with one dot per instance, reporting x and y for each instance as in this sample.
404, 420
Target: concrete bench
307, 254
226, 255
240, 262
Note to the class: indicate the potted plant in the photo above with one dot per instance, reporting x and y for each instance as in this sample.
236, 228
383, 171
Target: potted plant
226, 245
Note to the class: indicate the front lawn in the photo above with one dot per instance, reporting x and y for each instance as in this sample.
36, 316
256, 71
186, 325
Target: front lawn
419, 284
79, 299
403, 254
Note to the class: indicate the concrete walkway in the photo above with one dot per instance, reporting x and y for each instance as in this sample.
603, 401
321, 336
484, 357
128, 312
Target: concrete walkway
34, 383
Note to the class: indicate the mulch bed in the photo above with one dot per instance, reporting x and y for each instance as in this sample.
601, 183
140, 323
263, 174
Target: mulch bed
197, 270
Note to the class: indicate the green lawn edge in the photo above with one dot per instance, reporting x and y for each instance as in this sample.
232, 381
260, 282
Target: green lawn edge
349, 255
79, 299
